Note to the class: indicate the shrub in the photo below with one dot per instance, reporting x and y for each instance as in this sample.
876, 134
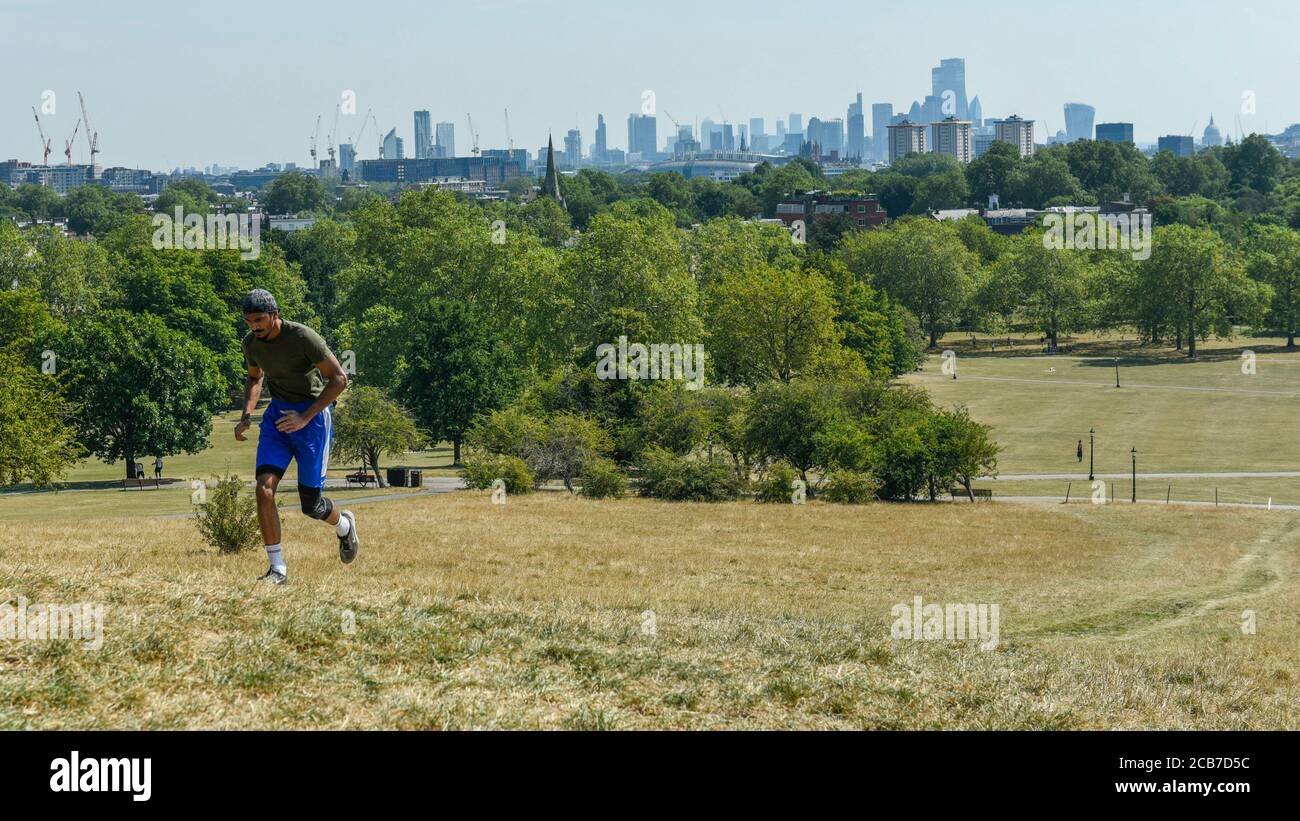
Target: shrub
508, 431
851, 487
482, 469
686, 478
602, 480
227, 520
778, 485
572, 443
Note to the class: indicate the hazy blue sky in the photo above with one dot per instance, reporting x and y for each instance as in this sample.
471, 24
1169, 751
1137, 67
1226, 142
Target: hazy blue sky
241, 83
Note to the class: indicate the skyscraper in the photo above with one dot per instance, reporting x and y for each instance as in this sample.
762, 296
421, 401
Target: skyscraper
976, 115
953, 137
1115, 132
1078, 121
757, 139
794, 124
906, 138
1016, 131
423, 136
881, 114
392, 146
948, 84
601, 150
642, 134
1181, 145
573, 148
446, 138
833, 136
857, 129
814, 135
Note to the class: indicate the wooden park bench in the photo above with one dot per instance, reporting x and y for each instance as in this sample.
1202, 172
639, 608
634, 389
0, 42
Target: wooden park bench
361, 479
979, 492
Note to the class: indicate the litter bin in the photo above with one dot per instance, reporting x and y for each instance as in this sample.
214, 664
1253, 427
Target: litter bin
417, 478
397, 477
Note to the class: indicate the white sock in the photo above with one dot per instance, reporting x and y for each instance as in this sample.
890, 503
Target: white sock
277, 558
344, 526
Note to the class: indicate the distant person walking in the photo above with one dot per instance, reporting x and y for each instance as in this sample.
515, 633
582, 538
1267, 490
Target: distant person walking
157, 467
1078, 450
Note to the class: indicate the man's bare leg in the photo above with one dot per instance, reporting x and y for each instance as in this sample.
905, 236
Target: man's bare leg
268, 517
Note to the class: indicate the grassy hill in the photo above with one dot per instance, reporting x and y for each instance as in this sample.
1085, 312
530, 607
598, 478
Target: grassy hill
555, 611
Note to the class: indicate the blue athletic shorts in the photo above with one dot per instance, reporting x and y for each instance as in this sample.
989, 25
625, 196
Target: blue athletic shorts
310, 446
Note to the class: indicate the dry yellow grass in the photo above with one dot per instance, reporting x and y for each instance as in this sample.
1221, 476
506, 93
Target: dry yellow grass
534, 614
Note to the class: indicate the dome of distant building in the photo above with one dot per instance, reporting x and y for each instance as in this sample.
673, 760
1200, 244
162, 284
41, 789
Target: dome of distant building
1211, 135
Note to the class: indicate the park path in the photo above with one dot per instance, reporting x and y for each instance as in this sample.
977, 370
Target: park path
1111, 385
1083, 477
433, 485
439, 484
1260, 569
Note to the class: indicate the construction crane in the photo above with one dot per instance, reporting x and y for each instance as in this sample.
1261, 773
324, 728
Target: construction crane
356, 140
333, 129
67, 145
314, 135
45, 141
473, 134
92, 137
510, 141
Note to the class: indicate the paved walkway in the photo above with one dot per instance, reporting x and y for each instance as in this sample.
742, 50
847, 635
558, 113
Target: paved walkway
1083, 477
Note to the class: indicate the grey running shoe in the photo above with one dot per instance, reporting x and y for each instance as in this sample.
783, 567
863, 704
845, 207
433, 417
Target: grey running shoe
349, 544
273, 576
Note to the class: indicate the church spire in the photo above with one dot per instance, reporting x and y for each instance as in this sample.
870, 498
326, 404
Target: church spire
551, 186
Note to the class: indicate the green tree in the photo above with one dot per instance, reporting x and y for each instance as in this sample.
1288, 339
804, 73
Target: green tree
1044, 178
37, 443
93, 209
24, 319
320, 252
883, 334
369, 424
920, 263
39, 202
627, 275
964, 452
1048, 286
294, 193
770, 323
787, 420
1203, 281
1274, 258
140, 387
456, 369
1254, 164
992, 172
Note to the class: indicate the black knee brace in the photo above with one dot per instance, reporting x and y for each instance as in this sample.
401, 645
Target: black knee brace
313, 503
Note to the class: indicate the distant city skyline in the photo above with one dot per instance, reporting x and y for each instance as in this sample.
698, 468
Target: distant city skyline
190, 94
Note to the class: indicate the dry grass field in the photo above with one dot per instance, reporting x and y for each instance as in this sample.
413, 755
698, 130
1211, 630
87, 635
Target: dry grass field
557, 612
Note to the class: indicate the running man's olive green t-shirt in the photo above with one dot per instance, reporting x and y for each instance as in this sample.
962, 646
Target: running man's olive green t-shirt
289, 361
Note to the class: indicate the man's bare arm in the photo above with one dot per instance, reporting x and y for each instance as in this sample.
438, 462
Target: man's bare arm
336, 383
252, 393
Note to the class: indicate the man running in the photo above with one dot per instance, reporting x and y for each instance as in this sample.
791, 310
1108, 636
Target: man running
305, 379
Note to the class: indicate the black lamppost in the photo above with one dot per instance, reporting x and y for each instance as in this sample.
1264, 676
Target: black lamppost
1117, 371
1091, 440
1134, 451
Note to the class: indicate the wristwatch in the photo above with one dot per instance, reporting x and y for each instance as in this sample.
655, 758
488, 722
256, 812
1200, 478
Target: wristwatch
247, 417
